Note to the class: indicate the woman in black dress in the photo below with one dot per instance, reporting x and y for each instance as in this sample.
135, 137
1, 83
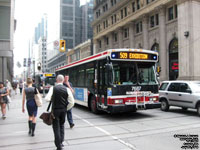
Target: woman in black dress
28, 94
3, 99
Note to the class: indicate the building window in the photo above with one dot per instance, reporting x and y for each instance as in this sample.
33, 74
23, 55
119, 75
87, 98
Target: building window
139, 27
115, 37
157, 19
99, 43
112, 19
113, 2
126, 32
176, 11
148, 1
125, 11
152, 21
133, 6
115, 18
170, 13
106, 23
138, 4
122, 14
105, 7
107, 40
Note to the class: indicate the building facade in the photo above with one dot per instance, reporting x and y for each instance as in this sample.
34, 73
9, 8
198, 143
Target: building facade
75, 28
7, 27
41, 29
170, 27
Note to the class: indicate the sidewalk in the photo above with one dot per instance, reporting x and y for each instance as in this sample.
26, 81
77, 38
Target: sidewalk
14, 129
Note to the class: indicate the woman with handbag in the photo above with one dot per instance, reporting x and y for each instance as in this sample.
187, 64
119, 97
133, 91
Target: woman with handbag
3, 99
28, 94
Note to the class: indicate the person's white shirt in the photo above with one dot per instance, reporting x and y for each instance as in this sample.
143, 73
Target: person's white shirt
70, 97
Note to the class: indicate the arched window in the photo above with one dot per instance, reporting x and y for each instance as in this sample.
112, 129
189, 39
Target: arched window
155, 47
173, 59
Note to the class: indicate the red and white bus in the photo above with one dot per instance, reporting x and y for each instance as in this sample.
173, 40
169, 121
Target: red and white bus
116, 80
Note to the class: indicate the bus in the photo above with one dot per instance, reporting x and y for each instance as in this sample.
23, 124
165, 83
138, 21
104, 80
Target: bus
43, 81
115, 80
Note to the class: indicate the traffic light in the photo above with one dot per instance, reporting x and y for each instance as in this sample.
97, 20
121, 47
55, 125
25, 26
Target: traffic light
62, 47
24, 62
158, 69
39, 66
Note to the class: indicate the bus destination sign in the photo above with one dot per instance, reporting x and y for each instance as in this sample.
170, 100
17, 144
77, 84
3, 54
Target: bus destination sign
133, 55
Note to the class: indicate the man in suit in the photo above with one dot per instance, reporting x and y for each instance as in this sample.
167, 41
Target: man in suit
62, 99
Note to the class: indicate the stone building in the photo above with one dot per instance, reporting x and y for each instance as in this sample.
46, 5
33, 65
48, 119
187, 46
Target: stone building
7, 28
171, 27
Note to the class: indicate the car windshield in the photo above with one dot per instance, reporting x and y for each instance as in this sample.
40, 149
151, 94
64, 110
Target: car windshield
131, 73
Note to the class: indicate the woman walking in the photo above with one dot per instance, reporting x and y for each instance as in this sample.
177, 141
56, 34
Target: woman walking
3, 99
28, 94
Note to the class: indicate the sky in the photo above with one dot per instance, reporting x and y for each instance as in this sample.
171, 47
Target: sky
28, 14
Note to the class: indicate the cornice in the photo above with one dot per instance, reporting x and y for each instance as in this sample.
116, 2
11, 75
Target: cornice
183, 1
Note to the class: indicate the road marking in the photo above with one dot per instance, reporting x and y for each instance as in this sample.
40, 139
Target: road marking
107, 133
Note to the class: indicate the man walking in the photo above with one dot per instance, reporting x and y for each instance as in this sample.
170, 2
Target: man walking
62, 98
69, 112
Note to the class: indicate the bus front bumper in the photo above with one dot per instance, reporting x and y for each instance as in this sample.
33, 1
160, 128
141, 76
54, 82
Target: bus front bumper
131, 108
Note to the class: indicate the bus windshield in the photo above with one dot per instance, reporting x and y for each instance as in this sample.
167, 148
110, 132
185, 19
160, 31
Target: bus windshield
50, 80
132, 73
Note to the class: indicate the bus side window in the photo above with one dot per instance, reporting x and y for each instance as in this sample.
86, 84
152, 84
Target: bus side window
89, 75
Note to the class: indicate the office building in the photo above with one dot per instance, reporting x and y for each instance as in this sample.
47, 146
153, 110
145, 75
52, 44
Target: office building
170, 27
7, 27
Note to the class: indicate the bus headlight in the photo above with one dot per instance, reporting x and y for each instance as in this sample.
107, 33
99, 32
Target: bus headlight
118, 101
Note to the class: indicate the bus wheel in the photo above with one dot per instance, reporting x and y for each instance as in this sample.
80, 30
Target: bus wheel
93, 105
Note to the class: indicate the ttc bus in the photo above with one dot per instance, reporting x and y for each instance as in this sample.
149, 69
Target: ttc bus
44, 81
117, 80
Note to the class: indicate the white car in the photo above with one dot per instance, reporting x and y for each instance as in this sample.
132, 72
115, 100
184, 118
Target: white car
185, 94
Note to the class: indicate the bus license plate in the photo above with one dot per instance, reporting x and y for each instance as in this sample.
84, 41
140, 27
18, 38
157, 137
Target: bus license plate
129, 103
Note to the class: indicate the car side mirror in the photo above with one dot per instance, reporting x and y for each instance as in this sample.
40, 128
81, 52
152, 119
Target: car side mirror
189, 91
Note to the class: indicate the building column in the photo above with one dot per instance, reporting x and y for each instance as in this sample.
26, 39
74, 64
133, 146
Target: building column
5, 69
163, 48
145, 32
120, 35
188, 39
131, 36
110, 40
95, 46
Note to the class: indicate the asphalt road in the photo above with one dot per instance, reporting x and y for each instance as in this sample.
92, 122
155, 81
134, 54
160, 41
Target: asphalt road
143, 130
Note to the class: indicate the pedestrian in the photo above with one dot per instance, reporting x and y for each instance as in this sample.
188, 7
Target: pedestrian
69, 112
20, 86
9, 86
3, 99
62, 99
28, 94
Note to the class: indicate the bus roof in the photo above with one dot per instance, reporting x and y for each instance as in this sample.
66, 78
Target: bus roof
102, 55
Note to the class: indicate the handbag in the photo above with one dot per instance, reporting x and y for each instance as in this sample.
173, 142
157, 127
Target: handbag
47, 117
9, 99
38, 99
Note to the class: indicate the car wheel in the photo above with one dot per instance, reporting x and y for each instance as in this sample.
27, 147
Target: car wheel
184, 108
198, 109
93, 105
164, 105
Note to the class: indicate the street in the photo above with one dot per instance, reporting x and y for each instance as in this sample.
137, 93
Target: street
144, 130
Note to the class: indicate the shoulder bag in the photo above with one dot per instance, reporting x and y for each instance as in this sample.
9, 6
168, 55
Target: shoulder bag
38, 98
48, 117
